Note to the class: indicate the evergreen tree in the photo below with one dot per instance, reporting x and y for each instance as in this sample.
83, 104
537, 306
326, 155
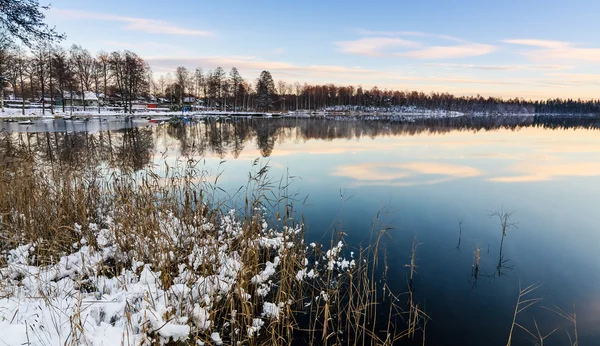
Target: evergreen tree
236, 79
265, 89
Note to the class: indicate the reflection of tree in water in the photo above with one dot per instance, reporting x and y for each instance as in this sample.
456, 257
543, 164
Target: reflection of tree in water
132, 149
192, 139
266, 135
128, 150
231, 136
136, 149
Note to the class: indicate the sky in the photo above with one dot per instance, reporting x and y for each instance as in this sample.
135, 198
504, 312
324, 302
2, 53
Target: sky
529, 48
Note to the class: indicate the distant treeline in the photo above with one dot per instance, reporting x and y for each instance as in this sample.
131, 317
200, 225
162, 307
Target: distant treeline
47, 72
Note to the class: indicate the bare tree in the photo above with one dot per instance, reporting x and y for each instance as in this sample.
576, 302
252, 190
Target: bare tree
169, 84
20, 71
236, 79
181, 76
40, 62
217, 83
6, 60
83, 62
62, 72
198, 81
24, 20
161, 85
103, 59
131, 75
281, 88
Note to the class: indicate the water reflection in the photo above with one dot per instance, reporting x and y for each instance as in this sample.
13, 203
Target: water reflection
128, 150
434, 173
133, 148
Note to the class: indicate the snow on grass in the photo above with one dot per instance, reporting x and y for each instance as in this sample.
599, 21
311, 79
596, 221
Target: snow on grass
81, 299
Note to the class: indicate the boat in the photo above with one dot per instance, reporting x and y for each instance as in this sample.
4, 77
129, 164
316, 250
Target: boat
25, 122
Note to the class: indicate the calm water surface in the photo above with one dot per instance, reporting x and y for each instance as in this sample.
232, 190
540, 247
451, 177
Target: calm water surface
430, 177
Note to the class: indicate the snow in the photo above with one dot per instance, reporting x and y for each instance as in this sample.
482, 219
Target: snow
408, 114
216, 338
271, 311
73, 302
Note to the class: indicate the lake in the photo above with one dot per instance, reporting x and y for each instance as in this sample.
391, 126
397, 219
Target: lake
433, 180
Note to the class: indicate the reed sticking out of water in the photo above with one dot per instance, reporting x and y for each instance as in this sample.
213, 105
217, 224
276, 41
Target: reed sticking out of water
571, 317
413, 262
476, 260
506, 225
523, 303
538, 337
459, 233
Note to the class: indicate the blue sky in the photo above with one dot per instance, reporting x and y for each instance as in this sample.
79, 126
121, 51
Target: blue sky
528, 48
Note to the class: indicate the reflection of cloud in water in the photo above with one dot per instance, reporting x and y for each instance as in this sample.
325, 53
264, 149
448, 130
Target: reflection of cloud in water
528, 172
404, 174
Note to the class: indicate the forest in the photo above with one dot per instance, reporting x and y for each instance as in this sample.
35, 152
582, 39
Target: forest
45, 72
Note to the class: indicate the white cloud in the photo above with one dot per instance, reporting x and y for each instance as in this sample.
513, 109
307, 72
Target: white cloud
549, 44
545, 50
394, 44
450, 52
503, 67
150, 26
364, 32
374, 46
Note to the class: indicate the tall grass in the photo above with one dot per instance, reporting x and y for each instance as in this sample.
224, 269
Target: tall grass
154, 222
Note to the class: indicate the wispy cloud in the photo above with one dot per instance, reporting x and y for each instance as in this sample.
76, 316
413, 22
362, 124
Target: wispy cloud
277, 51
150, 26
396, 44
375, 46
252, 64
544, 50
286, 70
503, 67
451, 52
364, 32
549, 44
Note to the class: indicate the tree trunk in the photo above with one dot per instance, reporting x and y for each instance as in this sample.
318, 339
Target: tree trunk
43, 90
22, 92
51, 88
82, 96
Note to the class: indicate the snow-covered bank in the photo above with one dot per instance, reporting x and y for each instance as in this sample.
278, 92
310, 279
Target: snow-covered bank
373, 113
101, 295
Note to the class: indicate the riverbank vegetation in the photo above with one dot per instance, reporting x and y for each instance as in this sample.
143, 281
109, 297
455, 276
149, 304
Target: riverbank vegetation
91, 256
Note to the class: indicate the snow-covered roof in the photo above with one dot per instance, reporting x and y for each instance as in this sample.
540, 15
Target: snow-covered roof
90, 96
67, 94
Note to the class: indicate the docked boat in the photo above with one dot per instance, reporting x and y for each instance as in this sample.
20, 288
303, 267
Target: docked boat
25, 122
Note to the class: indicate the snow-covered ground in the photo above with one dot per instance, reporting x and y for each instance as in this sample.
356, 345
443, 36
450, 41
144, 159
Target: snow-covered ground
74, 301
397, 113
